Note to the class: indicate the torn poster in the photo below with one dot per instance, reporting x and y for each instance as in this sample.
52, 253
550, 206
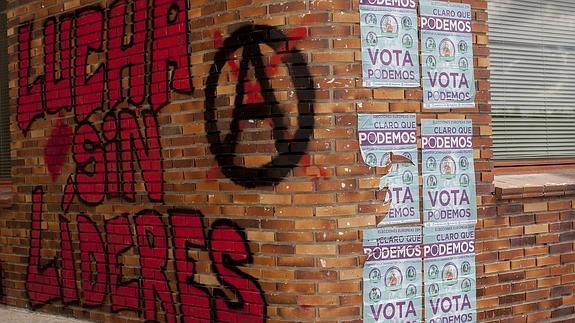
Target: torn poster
389, 140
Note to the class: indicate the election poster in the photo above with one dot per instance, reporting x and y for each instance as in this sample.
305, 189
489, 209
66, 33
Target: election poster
447, 53
389, 43
392, 275
449, 270
448, 172
389, 140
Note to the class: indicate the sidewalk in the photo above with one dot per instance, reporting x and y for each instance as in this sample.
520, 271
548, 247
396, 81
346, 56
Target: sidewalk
10, 314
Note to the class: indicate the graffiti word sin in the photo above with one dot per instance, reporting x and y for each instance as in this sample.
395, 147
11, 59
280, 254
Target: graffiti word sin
106, 158
106, 161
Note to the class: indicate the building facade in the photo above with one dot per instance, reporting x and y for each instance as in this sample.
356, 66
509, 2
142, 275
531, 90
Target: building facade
180, 160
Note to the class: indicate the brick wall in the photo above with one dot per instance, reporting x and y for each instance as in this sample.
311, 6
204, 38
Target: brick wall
137, 197
525, 255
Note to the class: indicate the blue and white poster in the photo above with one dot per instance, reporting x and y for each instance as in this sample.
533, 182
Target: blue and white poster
389, 43
448, 171
389, 140
392, 275
447, 53
449, 270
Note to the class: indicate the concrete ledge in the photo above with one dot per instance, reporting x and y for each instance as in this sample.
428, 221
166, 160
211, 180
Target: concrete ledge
522, 186
9, 314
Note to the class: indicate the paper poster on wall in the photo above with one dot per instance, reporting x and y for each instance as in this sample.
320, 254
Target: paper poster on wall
391, 138
449, 270
392, 275
389, 43
447, 53
448, 172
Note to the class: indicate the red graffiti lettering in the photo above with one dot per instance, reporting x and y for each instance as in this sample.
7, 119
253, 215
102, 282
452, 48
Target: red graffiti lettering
76, 49
42, 283
106, 164
69, 288
30, 103
124, 295
228, 251
90, 168
114, 69
127, 55
89, 83
166, 32
101, 267
170, 51
58, 92
188, 233
111, 150
93, 262
145, 148
153, 247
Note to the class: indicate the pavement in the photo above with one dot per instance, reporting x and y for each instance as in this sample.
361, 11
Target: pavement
9, 314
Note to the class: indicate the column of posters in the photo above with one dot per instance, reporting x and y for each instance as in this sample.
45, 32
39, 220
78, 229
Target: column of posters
450, 213
391, 138
447, 53
389, 43
392, 275
448, 172
449, 267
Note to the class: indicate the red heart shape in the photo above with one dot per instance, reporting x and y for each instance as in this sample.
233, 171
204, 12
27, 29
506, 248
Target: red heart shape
57, 148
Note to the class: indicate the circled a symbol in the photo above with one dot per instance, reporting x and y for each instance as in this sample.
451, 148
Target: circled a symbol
289, 150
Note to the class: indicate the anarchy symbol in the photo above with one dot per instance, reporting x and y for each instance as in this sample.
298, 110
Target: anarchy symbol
290, 149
